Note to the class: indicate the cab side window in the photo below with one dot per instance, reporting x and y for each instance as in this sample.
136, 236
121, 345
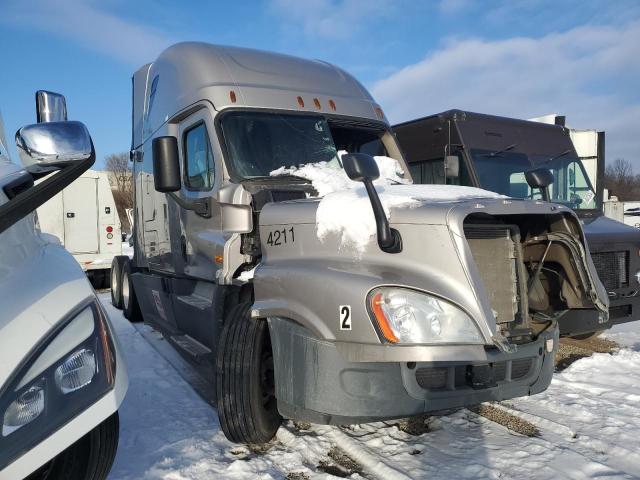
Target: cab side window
198, 158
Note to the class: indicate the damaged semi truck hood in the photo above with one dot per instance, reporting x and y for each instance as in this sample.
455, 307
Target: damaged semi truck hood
449, 248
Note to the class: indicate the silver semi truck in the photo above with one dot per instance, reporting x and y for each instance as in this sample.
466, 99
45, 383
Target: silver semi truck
495, 153
443, 306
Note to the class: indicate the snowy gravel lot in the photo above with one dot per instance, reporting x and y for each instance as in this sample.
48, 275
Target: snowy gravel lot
588, 423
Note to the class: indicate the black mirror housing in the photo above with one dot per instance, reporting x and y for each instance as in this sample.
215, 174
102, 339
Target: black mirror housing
166, 164
539, 178
360, 167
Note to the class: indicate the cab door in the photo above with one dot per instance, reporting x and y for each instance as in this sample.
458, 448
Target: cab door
201, 237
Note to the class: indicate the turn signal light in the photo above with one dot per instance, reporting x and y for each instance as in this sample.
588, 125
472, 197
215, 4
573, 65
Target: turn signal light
383, 323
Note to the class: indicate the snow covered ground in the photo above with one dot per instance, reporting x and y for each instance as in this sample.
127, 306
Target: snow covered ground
589, 424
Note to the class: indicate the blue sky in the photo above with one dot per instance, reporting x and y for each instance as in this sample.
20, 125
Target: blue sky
522, 59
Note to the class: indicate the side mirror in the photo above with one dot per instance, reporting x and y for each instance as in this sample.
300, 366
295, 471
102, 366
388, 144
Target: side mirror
44, 147
361, 167
540, 178
50, 107
451, 166
166, 164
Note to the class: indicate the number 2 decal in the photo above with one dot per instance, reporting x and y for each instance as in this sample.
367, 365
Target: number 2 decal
345, 317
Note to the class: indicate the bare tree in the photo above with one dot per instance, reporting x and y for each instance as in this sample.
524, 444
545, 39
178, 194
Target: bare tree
121, 180
621, 181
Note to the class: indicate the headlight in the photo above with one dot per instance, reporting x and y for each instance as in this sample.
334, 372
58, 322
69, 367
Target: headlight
23, 410
68, 372
406, 316
76, 371
638, 276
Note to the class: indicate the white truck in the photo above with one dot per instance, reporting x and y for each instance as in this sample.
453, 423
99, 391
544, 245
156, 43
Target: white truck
62, 378
85, 219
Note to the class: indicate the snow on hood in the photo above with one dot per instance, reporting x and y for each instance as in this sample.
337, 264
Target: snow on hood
345, 209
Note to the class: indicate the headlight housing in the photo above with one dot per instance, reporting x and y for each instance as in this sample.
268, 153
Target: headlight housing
68, 372
406, 316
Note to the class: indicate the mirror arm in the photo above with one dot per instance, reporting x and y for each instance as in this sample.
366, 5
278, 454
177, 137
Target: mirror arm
26, 202
201, 206
545, 194
389, 239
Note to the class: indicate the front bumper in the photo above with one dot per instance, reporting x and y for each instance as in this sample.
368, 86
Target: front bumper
579, 322
315, 383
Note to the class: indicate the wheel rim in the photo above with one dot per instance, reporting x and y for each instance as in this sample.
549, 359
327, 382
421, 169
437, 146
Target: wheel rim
125, 289
267, 376
114, 282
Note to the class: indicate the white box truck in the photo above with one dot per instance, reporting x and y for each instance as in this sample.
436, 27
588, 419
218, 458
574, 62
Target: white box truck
84, 218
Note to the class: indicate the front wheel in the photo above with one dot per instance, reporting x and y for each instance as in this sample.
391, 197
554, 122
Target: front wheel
90, 458
247, 406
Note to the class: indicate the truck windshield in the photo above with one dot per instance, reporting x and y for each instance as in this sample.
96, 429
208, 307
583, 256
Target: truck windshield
260, 142
504, 173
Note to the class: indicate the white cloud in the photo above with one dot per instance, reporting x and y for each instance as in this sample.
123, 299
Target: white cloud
88, 25
591, 74
331, 18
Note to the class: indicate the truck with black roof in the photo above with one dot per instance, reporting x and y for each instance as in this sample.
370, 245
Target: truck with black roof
314, 278
496, 153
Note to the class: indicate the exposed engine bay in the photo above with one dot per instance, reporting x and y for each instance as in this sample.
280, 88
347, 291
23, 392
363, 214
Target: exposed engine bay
533, 268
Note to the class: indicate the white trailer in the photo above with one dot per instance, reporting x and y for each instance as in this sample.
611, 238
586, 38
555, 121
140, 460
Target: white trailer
589, 145
84, 218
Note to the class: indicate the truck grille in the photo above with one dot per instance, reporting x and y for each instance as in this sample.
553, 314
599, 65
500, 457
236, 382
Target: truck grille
494, 252
612, 268
463, 376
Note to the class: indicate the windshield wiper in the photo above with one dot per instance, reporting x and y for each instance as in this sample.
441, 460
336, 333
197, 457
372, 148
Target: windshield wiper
558, 156
505, 149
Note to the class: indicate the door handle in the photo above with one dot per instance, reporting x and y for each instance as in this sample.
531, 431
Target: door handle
70, 214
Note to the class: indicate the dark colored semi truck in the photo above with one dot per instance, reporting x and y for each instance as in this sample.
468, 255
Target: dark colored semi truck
494, 153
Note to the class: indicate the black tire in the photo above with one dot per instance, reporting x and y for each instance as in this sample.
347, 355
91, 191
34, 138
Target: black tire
115, 280
130, 306
90, 458
247, 406
587, 336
